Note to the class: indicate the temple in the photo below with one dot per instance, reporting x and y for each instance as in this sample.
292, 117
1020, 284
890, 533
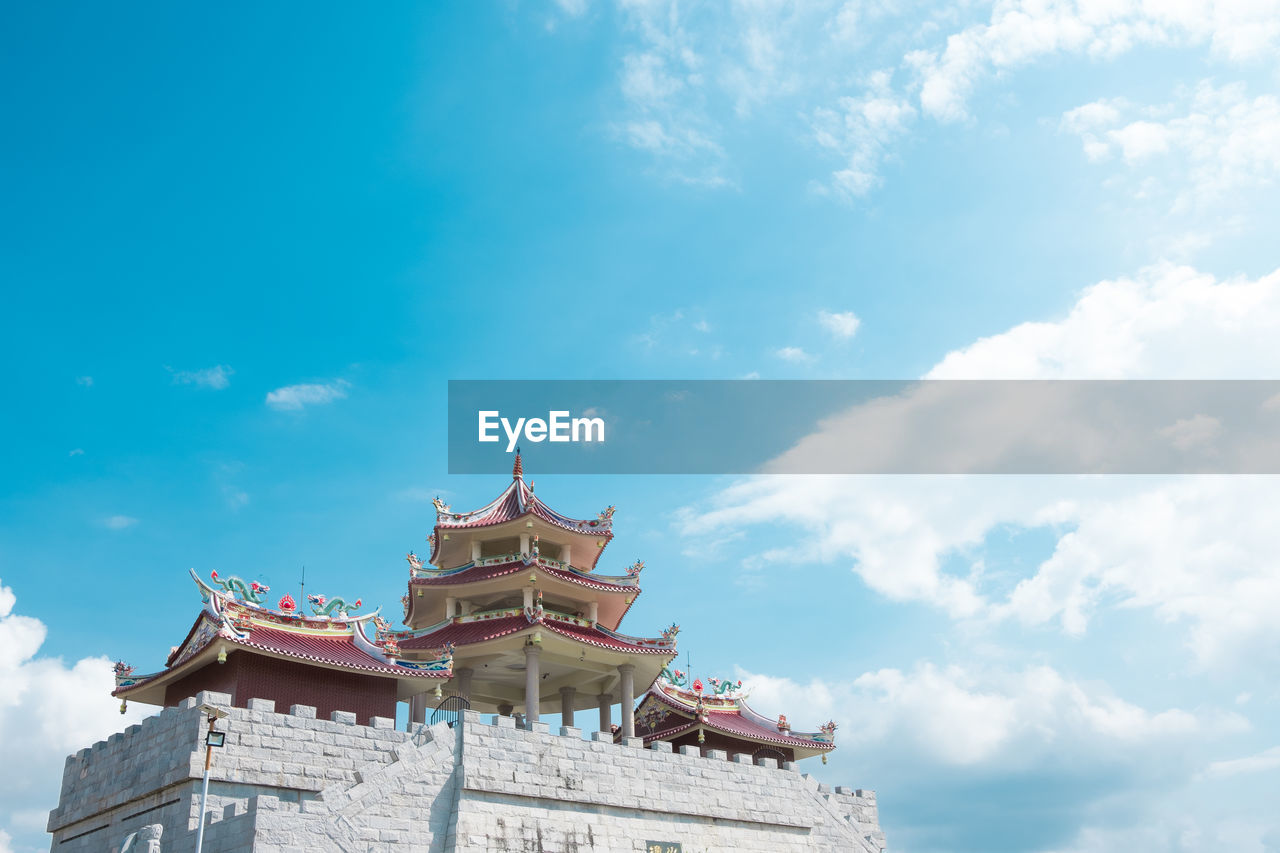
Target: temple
506, 615
684, 714
511, 589
240, 646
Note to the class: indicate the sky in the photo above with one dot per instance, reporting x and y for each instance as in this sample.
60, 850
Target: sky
243, 251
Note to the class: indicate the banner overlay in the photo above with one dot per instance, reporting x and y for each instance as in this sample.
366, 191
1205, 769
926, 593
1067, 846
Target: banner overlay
866, 426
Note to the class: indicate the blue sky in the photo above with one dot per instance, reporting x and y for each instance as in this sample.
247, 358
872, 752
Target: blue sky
242, 255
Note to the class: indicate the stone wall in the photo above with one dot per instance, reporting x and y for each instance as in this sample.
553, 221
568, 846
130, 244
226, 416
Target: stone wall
291, 781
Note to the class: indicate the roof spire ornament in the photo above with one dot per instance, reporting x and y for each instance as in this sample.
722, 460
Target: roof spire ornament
517, 470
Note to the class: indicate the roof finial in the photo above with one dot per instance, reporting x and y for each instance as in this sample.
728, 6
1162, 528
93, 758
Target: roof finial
517, 472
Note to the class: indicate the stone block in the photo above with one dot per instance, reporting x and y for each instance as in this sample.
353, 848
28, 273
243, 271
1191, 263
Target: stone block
570, 731
741, 758
347, 718
267, 705
212, 697
382, 723
717, 754
771, 763
544, 728
601, 737
305, 712
660, 746
690, 749
634, 742
504, 722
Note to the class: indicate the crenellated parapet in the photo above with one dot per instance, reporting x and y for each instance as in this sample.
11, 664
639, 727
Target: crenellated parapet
277, 786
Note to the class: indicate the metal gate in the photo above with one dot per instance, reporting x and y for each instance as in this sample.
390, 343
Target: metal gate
449, 709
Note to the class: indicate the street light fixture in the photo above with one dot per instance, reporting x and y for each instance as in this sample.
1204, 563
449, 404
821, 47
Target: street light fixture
212, 739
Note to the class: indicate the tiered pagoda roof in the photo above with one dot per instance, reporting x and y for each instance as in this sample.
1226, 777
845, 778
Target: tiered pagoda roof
517, 575
615, 594
481, 627
516, 503
674, 710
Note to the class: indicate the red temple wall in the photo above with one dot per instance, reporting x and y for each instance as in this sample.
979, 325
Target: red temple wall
715, 740
248, 676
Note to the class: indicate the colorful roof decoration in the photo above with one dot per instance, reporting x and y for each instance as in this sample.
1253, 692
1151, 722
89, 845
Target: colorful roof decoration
481, 627
517, 501
672, 707
234, 617
505, 564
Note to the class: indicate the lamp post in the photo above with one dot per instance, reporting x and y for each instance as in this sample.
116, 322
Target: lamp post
211, 739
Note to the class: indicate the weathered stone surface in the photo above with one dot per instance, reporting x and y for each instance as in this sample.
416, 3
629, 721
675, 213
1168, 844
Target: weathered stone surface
291, 782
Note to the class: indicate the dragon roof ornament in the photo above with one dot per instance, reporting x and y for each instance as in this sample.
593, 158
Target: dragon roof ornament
231, 593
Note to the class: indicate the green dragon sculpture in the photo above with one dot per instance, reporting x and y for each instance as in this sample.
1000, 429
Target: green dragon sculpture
678, 678
720, 687
253, 592
322, 606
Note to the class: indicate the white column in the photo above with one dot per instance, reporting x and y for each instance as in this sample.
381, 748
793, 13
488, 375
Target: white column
567, 695
627, 684
417, 709
532, 682
593, 609
464, 682
475, 550
449, 603
528, 596
524, 543
564, 553
606, 712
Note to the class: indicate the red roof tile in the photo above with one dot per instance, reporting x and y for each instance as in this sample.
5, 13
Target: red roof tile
466, 633
483, 573
732, 722
596, 637
338, 649
516, 501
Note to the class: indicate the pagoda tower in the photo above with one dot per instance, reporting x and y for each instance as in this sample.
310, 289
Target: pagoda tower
510, 591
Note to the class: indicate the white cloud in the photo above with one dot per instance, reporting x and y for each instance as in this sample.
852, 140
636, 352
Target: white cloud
693, 77
1262, 762
1194, 553
86, 381
77, 451
216, 377
119, 522
293, 398
1166, 322
573, 8
1010, 719
1194, 431
47, 710
1020, 32
795, 355
843, 324
1220, 139
862, 130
